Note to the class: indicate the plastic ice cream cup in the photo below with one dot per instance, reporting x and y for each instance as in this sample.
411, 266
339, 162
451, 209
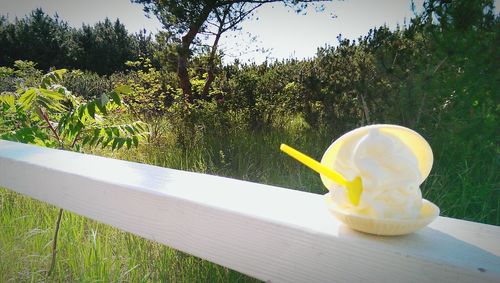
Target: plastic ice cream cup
411, 145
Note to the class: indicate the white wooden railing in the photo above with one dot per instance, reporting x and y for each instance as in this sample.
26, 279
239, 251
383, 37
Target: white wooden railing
270, 233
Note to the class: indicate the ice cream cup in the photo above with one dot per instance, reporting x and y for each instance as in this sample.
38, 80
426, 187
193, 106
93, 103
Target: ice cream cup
381, 226
390, 226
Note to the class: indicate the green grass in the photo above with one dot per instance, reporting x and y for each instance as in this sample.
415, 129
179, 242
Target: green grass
89, 251
464, 183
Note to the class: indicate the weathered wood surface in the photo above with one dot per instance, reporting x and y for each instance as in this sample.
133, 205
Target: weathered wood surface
270, 233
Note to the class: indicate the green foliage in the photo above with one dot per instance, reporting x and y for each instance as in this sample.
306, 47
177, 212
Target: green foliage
149, 94
88, 85
104, 47
50, 42
37, 37
26, 74
6, 72
50, 115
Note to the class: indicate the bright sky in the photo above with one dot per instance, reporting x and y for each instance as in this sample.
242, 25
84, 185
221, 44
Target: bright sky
282, 32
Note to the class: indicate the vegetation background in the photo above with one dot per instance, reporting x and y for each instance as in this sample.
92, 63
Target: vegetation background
438, 75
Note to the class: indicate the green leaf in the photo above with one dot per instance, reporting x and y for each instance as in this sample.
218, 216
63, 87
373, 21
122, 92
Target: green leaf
39, 113
62, 90
121, 142
101, 103
116, 98
99, 140
25, 135
91, 109
76, 129
130, 129
104, 99
62, 123
115, 143
8, 99
59, 73
81, 111
116, 131
51, 104
123, 89
135, 141
106, 142
109, 132
52, 77
86, 139
52, 94
95, 137
27, 98
101, 108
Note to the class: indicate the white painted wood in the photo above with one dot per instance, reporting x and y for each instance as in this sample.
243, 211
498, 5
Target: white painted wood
270, 233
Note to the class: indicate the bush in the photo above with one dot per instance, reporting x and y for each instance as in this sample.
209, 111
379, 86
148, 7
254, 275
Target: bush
88, 85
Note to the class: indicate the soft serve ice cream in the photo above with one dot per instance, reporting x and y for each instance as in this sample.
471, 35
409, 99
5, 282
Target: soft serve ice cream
390, 173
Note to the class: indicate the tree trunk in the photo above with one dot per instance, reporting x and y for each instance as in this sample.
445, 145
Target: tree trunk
182, 72
211, 62
184, 49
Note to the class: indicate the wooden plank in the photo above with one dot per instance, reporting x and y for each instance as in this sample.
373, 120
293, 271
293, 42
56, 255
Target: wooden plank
270, 233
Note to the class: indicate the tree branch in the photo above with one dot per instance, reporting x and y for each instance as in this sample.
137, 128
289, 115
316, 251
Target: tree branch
54, 242
52, 129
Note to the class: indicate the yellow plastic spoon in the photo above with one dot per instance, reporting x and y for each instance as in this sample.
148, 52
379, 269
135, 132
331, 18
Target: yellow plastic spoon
354, 187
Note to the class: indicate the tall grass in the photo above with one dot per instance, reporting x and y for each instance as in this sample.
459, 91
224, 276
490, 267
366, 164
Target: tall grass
464, 183
89, 251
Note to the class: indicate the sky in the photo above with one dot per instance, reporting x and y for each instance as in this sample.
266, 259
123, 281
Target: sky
281, 32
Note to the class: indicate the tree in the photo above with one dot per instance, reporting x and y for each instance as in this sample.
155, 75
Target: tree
105, 47
460, 15
48, 41
50, 115
37, 37
465, 36
187, 19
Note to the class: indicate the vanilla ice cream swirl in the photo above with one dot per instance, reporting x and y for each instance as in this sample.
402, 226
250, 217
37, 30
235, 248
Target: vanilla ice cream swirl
389, 172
